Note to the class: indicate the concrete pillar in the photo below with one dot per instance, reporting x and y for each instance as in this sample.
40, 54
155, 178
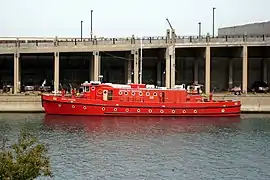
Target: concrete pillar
264, 68
196, 70
96, 66
16, 76
173, 65
245, 69
128, 70
56, 71
207, 69
91, 68
136, 67
230, 66
159, 73
168, 68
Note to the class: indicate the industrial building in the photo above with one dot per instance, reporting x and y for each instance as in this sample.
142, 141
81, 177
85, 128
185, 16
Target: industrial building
218, 63
252, 29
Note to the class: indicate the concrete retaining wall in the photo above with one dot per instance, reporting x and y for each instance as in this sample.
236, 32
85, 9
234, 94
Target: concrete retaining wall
20, 103
250, 103
32, 103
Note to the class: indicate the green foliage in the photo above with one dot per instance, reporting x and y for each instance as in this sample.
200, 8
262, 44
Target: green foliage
26, 159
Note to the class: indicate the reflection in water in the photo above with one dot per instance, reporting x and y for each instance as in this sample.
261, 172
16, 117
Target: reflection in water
139, 125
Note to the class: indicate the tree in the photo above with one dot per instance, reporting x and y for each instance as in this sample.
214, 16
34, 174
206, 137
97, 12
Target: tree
26, 159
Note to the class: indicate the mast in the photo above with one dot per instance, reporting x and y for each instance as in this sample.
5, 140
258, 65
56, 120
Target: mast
141, 56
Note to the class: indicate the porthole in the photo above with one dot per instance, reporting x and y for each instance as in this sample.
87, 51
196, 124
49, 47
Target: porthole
133, 93
140, 94
115, 109
126, 93
223, 110
184, 111
150, 110
195, 111
154, 94
84, 107
138, 110
73, 106
161, 111
173, 111
120, 93
92, 88
103, 108
127, 110
147, 94
59, 105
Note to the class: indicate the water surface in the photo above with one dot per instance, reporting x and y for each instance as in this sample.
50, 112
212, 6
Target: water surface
150, 148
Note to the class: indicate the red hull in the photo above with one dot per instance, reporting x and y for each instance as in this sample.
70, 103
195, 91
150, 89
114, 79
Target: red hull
79, 106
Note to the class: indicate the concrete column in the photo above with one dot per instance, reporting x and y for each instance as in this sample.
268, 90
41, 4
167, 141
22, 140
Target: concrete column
245, 69
265, 65
136, 67
91, 68
196, 70
159, 73
16, 76
173, 65
128, 70
96, 67
168, 68
56, 71
230, 66
207, 69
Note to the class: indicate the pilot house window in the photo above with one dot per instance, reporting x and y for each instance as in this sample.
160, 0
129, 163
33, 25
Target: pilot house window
110, 94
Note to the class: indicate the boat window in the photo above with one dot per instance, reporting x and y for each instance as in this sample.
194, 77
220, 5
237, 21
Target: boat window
110, 94
87, 89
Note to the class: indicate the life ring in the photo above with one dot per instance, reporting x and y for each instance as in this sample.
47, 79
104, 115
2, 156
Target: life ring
99, 92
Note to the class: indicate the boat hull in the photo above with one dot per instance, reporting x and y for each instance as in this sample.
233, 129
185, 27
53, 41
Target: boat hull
79, 106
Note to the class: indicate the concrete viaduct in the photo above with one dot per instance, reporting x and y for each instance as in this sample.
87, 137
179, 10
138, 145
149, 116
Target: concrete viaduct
168, 45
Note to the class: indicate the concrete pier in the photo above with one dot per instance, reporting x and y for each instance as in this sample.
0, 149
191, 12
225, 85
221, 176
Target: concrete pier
219, 63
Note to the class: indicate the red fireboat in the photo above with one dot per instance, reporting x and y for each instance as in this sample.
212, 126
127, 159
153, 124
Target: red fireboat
107, 99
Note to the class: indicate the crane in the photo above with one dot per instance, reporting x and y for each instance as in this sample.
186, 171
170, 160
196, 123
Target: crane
170, 25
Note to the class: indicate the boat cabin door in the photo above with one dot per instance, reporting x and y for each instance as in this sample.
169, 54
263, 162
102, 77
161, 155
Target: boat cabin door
105, 95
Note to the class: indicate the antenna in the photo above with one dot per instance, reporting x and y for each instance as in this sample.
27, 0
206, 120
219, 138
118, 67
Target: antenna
141, 57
